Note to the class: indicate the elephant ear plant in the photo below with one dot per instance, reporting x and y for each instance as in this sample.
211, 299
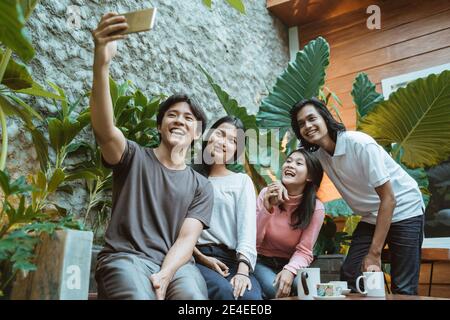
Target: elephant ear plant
413, 124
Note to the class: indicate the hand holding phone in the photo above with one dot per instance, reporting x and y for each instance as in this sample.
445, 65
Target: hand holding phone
139, 21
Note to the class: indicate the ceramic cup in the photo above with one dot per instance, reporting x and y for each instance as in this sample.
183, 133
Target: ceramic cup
373, 284
341, 284
328, 290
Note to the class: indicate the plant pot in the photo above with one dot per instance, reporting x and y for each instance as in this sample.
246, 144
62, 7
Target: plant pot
330, 266
63, 263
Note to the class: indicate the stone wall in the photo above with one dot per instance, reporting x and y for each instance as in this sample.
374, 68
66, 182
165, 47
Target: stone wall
243, 53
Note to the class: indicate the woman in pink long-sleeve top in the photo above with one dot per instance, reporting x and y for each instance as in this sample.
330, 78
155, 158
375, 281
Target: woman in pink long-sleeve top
289, 218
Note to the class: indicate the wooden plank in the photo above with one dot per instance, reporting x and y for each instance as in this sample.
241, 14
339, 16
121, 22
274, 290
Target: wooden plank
438, 291
393, 36
272, 3
436, 254
352, 26
296, 12
397, 52
441, 273
343, 83
354, 19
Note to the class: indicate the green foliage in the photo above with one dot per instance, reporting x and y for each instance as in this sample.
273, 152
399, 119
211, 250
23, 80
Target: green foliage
135, 114
338, 208
236, 4
302, 79
329, 240
16, 76
21, 226
415, 120
12, 23
365, 95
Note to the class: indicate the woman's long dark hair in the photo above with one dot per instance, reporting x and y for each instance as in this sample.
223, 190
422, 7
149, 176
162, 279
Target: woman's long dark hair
302, 215
333, 126
204, 168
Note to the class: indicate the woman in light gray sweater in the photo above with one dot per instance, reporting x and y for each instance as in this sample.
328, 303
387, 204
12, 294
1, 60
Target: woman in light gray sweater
226, 252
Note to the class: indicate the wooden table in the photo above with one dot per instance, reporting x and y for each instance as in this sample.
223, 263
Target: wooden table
357, 296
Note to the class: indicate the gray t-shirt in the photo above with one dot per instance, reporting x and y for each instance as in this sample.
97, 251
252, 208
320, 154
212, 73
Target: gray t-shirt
150, 203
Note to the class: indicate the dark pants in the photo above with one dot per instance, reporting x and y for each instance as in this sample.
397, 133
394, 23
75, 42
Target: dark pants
405, 242
219, 287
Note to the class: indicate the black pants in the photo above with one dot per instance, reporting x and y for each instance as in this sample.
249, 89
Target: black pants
405, 242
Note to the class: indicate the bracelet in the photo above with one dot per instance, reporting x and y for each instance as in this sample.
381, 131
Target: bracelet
246, 262
242, 274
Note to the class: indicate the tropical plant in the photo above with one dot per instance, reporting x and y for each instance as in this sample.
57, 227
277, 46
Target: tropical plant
418, 128
237, 4
14, 77
330, 241
412, 124
62, 127
135, 116
21, 227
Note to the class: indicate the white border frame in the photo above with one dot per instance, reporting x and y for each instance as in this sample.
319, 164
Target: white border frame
390, 85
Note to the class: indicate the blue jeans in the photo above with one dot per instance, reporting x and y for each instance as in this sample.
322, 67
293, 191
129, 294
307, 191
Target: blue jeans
405, 242
266, 271
124, 276
219, 287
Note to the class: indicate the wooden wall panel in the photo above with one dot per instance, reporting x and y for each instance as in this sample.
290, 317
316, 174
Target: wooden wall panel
414, 35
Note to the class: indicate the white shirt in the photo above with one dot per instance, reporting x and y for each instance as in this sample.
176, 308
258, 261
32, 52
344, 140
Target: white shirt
233, 219
359, 165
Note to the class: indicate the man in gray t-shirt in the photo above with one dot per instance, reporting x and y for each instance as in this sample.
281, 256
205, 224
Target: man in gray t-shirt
160, 205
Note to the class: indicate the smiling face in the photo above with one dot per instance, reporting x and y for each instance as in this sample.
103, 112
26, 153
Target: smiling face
312, 125
294, 171
179, 126
222, 143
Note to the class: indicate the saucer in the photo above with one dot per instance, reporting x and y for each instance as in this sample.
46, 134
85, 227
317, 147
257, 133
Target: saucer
330, 297
345, 291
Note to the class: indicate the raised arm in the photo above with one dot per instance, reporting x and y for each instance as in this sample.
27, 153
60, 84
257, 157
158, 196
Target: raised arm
110, 139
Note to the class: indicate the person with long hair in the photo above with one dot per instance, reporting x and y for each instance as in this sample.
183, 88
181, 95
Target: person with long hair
226, 252
289, 218
375, 187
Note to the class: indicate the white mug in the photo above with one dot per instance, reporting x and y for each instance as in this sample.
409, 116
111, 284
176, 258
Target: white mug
308, 278
373, 284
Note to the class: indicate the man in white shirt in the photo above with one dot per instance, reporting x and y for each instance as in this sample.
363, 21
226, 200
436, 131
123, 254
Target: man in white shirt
375, 187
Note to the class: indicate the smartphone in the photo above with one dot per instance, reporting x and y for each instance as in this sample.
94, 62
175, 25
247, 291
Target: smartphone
139, 21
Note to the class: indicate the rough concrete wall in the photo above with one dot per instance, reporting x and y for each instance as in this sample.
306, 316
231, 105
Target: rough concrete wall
243, 53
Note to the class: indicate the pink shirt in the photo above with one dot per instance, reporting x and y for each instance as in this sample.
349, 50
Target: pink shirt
276, 238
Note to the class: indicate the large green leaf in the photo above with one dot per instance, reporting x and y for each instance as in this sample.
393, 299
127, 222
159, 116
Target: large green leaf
56, 133
231, 106
302, 79
364, 95
16, 76
12, 34
38, 91
57, 178
27, 108
12, 109
416, 119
